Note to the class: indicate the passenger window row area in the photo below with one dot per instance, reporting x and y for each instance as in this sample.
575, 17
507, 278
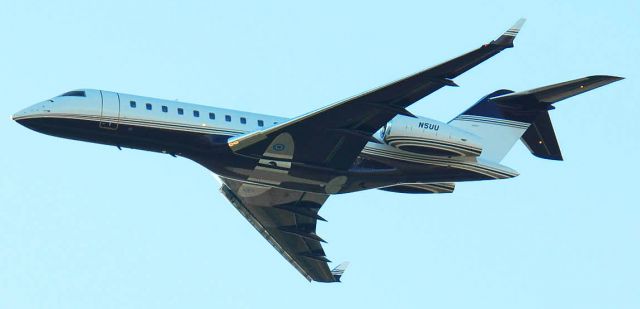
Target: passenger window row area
196, 113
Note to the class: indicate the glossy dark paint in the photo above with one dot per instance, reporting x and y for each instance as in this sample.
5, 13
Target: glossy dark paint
212, 152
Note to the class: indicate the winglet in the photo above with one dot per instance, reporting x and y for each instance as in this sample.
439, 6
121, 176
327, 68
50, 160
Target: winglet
339, 270
507, 38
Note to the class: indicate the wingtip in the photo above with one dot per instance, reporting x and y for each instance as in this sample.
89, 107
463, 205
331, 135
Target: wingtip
519, 23
506, 39
513, 31
606, 78
338, 271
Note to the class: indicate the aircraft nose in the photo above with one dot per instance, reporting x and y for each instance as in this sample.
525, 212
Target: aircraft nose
20, 114
31, 112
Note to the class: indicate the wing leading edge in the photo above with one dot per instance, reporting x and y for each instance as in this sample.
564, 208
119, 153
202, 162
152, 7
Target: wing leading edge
341, 130
287, 220
332, 137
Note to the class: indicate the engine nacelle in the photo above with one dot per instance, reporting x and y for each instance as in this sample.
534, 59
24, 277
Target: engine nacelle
430, 137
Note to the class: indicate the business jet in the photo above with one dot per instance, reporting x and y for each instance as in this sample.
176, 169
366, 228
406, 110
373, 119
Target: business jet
278, 172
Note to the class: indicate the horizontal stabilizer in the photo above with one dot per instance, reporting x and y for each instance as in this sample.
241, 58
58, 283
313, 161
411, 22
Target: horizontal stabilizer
541, 139
553, 93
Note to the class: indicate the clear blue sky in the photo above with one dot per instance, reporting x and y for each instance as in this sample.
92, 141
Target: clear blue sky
89, 226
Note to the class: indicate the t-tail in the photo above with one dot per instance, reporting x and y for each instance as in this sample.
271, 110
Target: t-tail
504, 116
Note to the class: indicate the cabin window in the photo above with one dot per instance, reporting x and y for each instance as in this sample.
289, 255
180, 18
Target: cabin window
75, 93
165, 109
243, 120
260, 123
196, 114
227, 118
275, 122
132, 104
180, 111
212, 116
149, 107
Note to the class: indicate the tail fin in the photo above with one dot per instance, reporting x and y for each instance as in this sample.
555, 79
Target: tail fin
504, 116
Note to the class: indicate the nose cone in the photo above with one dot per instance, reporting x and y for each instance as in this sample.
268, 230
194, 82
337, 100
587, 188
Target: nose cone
32, 114
20, 115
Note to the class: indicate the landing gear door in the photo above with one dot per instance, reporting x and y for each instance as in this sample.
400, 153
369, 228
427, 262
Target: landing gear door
110, 114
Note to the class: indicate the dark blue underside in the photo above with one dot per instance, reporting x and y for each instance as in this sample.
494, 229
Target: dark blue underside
212, 152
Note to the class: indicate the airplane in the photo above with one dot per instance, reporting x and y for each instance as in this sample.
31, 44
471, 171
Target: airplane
278, 172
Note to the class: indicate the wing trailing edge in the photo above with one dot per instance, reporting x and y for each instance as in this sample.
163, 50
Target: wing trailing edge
421, 188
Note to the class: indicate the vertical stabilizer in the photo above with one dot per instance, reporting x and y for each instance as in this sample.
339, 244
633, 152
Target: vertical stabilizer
498, 129
503, 117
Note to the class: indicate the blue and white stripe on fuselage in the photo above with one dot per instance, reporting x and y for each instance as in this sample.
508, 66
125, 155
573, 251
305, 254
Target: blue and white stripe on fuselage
120, 111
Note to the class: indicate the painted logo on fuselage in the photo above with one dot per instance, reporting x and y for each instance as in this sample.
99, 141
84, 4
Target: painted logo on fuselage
428, 126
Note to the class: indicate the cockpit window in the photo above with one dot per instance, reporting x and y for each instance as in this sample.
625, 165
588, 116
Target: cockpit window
75, 93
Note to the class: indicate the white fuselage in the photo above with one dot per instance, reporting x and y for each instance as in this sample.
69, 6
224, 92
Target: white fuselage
407, 144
